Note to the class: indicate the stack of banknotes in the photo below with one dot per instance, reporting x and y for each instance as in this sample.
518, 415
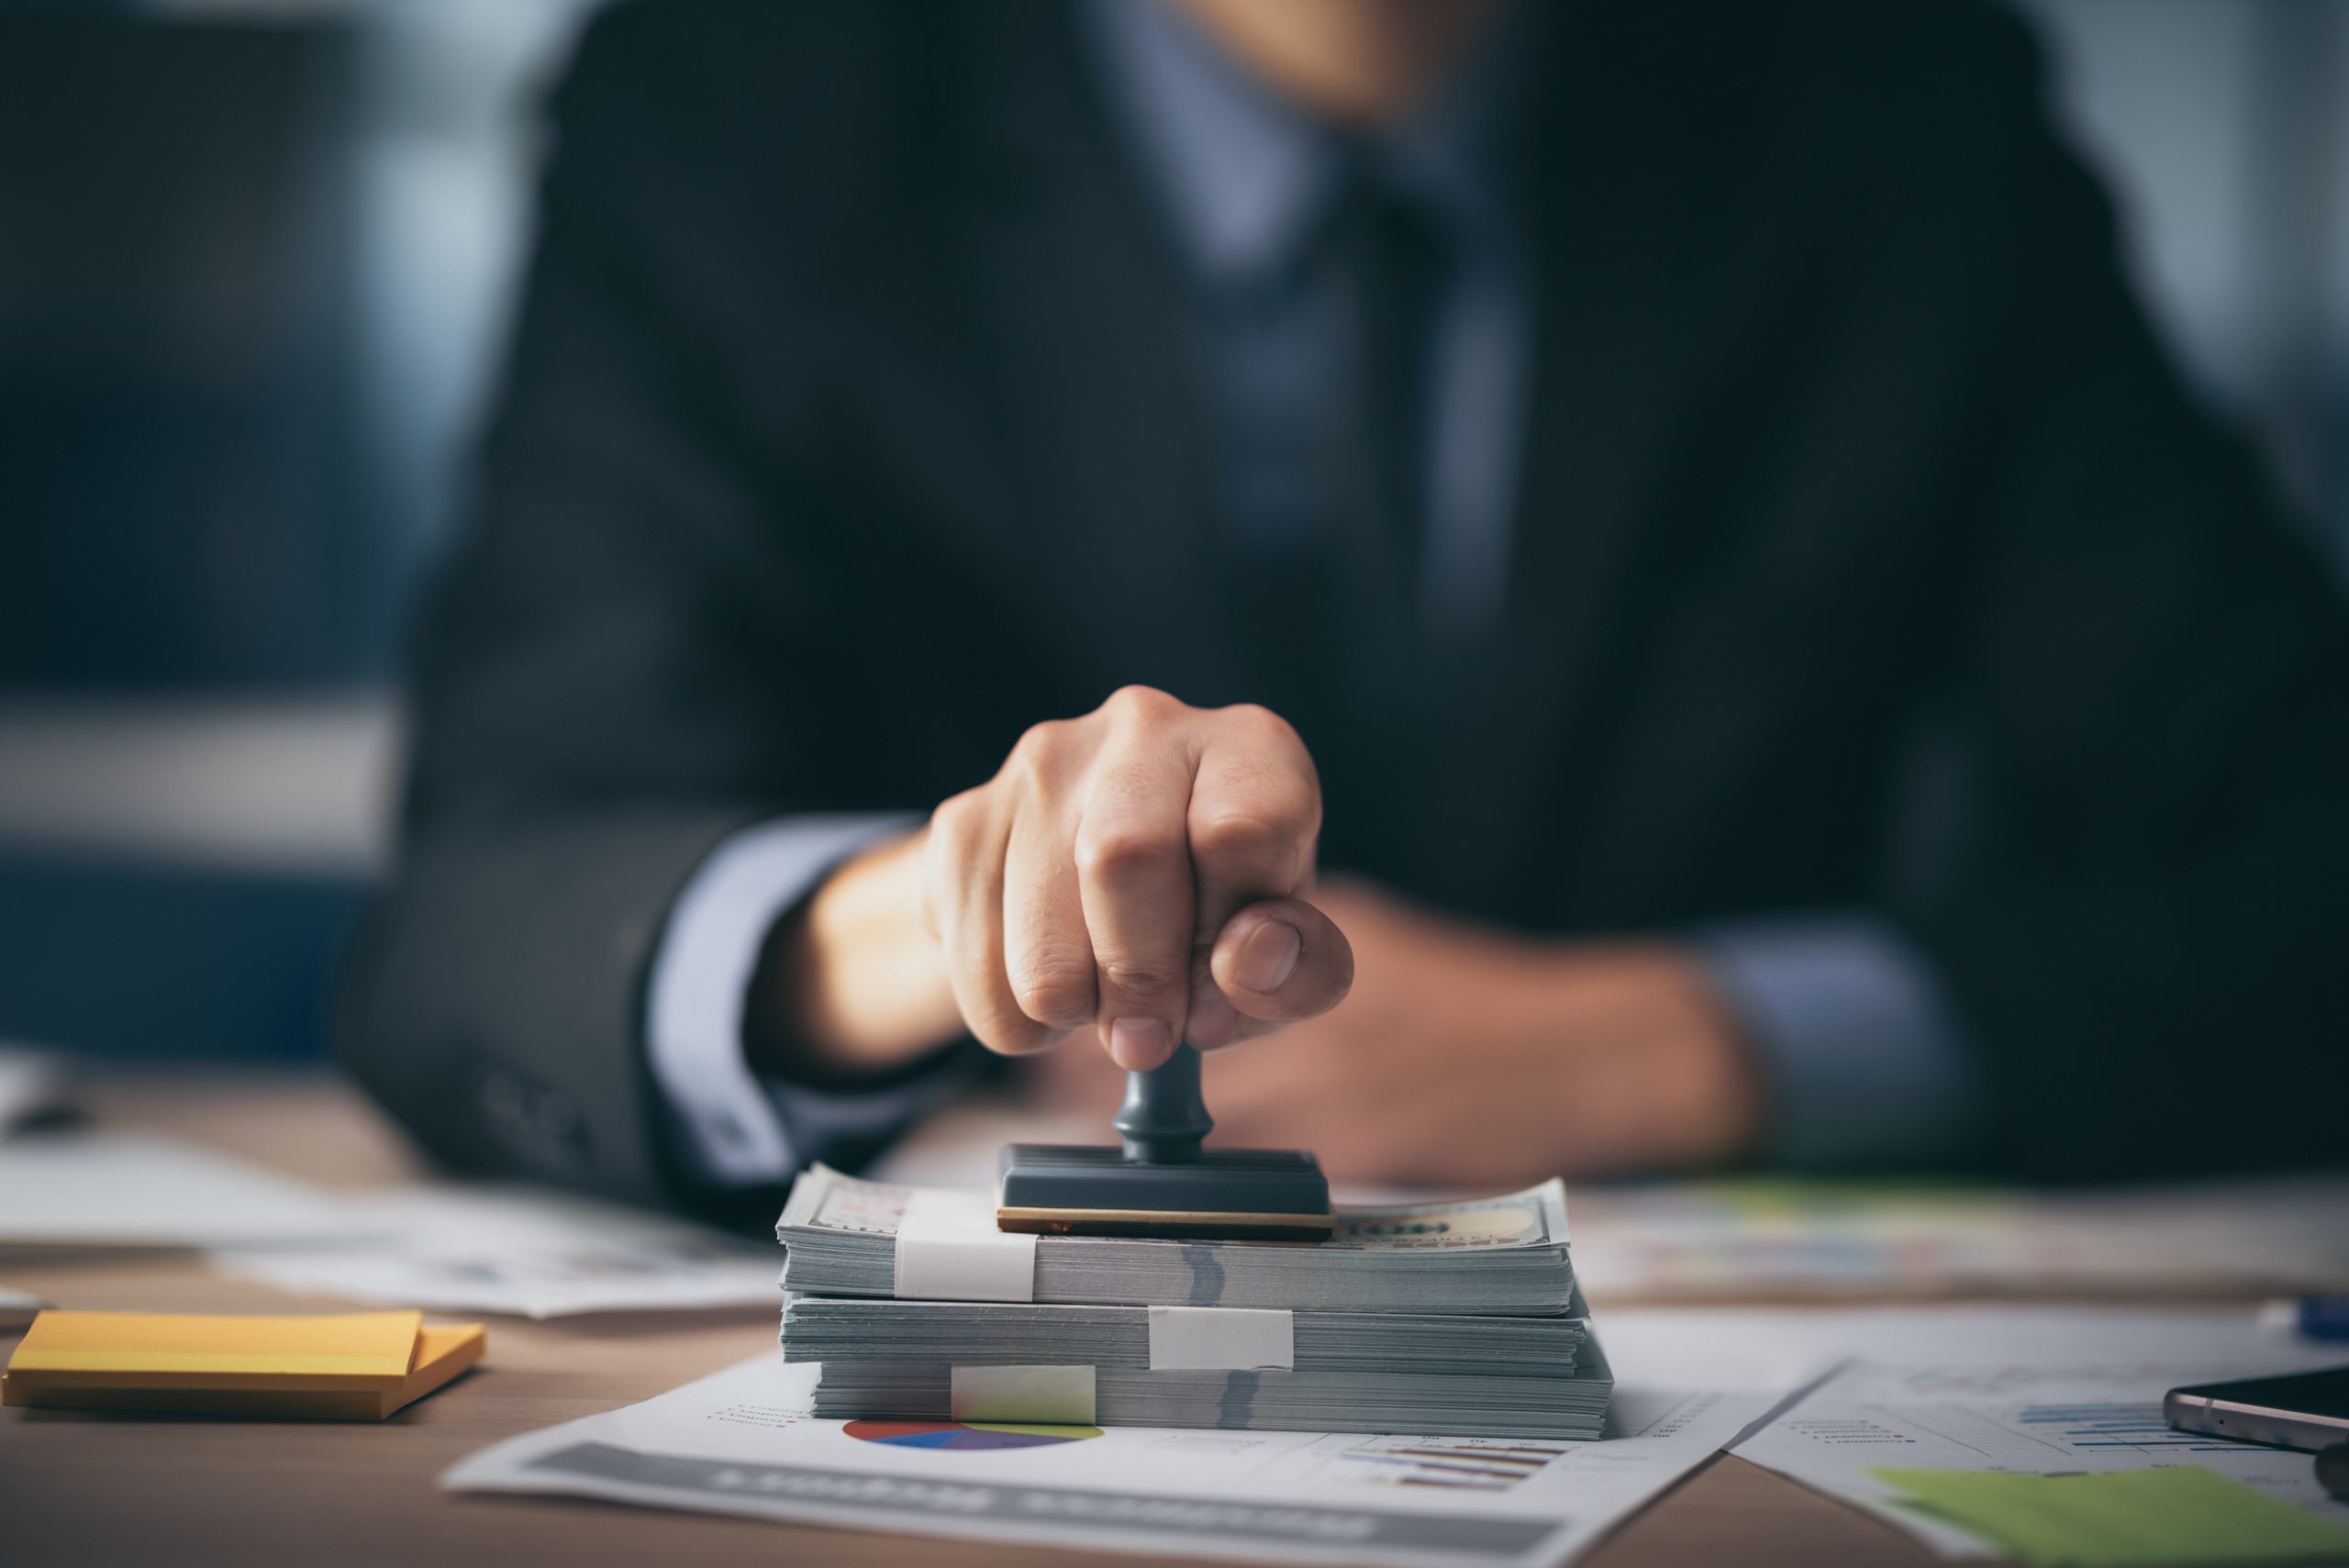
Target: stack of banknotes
1442, 1319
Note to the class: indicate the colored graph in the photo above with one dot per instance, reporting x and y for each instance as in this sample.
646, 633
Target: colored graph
2025, 1436
2140, 1428
964, 1435
1466, 1464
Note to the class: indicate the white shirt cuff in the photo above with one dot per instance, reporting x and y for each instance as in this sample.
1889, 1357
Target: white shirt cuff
701, 979
1866, 1058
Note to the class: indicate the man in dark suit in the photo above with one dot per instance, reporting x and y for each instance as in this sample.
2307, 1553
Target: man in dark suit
1674, 503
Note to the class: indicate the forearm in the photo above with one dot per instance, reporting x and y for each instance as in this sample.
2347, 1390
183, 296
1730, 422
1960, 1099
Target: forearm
1642, 1066
853, 986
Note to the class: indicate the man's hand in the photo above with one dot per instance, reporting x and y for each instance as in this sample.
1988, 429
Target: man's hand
1470, 1057
1141, 871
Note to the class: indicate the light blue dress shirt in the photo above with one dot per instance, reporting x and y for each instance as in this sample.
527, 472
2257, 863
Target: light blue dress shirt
1864, 1062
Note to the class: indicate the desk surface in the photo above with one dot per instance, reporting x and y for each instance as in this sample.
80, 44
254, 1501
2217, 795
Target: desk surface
80, 1488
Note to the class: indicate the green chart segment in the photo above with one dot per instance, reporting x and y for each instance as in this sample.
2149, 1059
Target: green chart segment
964, 1435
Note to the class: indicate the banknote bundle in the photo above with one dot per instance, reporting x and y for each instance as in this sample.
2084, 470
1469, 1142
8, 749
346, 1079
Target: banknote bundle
1249, 1401
1503, 1256
1457, 1319
819, 1328
1467, 1375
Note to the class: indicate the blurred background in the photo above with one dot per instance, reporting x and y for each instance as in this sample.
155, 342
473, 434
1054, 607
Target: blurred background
256, 259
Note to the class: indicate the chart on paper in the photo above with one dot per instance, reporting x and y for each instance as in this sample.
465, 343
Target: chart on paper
1459, 1464
2061, 1393
2138, 1428
739, 1442
2021, 1437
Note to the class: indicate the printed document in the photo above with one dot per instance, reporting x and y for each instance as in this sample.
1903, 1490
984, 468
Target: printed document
129, 1189
2031, 1392
537, 1253
740, 1442
485, 1247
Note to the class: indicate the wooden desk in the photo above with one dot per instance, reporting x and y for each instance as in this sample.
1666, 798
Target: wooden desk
80, 1489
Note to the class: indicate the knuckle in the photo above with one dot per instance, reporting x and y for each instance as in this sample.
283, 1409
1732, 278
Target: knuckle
1264, 728
1136, 977
1037, 743
960, 818
1055, 986
1272, 759
1114, 852
1264, 831
1005, 1031
1252, 836
1135, 702
1037, 771
969, 810
1059, 1000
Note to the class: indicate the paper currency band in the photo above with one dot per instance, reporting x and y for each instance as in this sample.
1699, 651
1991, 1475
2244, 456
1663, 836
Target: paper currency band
949, 1250
1043, 1395
1221, 1338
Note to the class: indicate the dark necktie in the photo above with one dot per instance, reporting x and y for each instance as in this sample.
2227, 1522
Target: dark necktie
1332, 484
1387, 269
1360, 670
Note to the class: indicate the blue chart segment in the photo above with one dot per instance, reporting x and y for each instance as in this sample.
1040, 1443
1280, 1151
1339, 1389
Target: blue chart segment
964, 1435
2139, 1427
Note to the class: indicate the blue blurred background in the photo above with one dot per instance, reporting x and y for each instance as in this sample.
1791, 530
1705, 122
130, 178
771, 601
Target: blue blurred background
255, 261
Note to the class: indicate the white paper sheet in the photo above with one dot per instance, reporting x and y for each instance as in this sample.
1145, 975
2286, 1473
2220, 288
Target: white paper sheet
2035, 1391
32, 1083
20, 1307
525, 1250
740, 1443
139, 1190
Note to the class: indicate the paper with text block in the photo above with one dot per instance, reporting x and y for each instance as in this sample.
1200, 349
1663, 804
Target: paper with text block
2028, 1392
742, 1442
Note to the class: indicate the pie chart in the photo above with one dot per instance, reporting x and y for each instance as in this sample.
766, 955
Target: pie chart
964, 1434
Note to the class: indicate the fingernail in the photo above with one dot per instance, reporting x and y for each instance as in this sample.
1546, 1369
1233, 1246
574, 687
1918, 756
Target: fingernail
1140, 1044
1270, 957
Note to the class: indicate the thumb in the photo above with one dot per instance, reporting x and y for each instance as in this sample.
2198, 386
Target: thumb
1280, 960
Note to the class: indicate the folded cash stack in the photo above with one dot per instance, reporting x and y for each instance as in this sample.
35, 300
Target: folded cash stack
1444, 1319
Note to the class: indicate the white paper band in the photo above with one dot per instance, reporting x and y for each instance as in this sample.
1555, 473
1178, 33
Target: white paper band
1046, 1395
1220, 1339
949, 1250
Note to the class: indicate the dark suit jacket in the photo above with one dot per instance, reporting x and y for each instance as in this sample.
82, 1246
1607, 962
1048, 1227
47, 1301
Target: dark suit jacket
853, 425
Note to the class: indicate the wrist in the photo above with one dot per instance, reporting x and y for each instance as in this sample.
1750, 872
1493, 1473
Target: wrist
1660, 1048
852, 985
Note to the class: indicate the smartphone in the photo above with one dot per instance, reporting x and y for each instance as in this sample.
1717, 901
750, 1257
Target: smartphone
2308, 1409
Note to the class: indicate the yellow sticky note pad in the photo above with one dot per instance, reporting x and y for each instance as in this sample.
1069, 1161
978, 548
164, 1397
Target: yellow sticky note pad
352, 1366
2171, 1515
